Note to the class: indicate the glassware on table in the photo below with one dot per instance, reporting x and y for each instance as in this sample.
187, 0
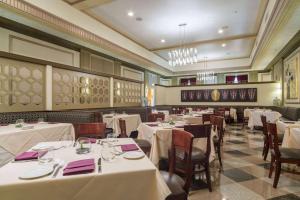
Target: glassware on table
41, 120
107, 153
46, 158
83, 145
19, 123
159, 120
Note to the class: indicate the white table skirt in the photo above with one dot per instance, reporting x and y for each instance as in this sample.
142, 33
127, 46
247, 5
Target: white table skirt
132, 122
161, 139
119, 180
15, 140
255, 117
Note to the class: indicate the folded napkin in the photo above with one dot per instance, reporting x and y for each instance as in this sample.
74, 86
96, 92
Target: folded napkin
152, 125
29, 155
79, 167
129, 147
92, 140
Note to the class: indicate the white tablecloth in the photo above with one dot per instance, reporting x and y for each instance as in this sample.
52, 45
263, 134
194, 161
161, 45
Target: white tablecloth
132, 122
119, 180
233, 114
15, 140
161, 139
255, 117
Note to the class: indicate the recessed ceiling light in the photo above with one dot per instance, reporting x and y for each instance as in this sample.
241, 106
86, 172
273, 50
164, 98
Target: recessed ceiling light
224, 45
162, 40
130, 13
220, 31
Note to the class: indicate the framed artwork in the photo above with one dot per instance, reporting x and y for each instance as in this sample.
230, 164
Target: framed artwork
291, 79
220, 95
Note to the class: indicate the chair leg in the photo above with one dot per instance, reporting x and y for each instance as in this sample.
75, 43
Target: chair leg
277, 173
208, 179
219, 157
272, 166
266, 152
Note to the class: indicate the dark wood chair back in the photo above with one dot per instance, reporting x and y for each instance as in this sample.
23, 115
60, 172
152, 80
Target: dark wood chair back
182, 141
264, 123
154, 116
94, 130
273, 139
213, 122
206, 118
122, 124
220, 113
201, 131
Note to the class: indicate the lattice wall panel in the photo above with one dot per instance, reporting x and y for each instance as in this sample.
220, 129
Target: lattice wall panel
74, 90
127, 93
22, 86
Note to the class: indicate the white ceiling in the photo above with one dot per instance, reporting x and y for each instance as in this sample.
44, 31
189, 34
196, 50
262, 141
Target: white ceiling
203, 18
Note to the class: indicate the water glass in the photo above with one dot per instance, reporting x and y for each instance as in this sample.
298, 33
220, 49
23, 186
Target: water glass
41, 120
83, 145
107, 153
46, 158
19, 123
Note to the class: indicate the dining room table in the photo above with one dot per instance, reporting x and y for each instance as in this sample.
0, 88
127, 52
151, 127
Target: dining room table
255, 116
16, 140
132, 122
160, 137
89, 176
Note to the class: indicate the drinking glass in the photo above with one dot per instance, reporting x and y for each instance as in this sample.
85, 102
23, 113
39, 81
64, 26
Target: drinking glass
83, 145
46, 158
19, 123
107, 153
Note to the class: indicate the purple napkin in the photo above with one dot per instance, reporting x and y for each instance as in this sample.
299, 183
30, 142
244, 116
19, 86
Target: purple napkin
129, 147
152, 125
92, 140
79, 167
29, 155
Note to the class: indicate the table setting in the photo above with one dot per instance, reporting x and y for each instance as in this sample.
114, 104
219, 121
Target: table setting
159, 134
255, 116
109, 164
112, 121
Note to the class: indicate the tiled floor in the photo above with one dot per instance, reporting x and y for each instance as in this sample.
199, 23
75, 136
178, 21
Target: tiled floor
245, 174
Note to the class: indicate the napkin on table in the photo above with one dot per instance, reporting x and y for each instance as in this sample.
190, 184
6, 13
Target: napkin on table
129, 147
79, 167
29, 155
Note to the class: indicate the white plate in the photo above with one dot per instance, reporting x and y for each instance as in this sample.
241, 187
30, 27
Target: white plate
134, 155
42, 147
37, 172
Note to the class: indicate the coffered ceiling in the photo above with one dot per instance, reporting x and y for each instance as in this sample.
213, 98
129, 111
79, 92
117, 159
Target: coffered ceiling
157, 20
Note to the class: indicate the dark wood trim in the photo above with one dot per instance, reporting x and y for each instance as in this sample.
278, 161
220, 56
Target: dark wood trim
218, 84
61, 66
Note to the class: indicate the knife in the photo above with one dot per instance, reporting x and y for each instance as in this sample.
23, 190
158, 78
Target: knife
99, 165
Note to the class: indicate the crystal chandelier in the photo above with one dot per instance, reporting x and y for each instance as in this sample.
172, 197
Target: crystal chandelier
182, 55
206, 76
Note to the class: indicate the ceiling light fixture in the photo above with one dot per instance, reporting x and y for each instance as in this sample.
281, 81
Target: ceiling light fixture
206, 75
182, 55
162, 40
130, 13
224, 45
220, 31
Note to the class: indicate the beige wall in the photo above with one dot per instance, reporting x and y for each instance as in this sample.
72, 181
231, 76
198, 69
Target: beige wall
266, 93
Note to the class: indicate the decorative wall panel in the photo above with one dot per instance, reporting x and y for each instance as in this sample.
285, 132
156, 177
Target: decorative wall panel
22, 86
127, 93
76, 90
220, 95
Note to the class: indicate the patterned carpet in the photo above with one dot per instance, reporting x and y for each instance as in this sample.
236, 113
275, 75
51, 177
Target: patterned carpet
245, 174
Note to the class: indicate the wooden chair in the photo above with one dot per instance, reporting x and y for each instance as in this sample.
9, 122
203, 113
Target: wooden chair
280, 155
218, 123
154, 116
182, 143
143, 144
200, 157
206, 118
91, 130
266, 139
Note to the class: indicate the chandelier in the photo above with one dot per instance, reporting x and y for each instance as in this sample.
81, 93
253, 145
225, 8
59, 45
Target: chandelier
206, 76
182, 55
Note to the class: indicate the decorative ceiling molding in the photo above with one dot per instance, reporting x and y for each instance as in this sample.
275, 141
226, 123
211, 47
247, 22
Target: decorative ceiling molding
86, 4
44, 16
193, 44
